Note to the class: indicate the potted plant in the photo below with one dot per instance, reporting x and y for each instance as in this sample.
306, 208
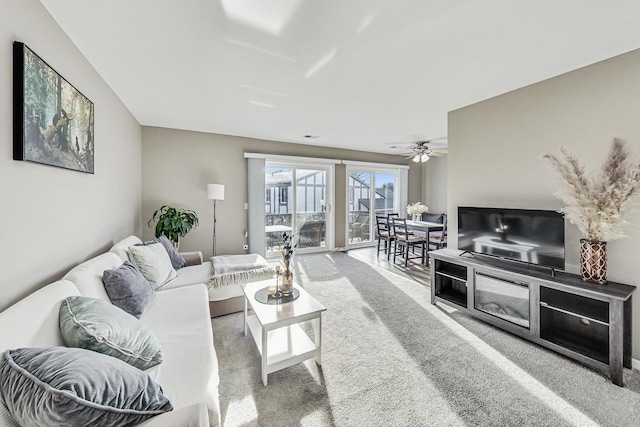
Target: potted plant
173, 223
597, 205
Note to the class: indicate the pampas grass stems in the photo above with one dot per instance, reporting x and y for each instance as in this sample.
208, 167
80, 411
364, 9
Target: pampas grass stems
598, 205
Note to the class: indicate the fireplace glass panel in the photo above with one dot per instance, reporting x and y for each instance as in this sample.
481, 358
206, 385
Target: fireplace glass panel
505, 299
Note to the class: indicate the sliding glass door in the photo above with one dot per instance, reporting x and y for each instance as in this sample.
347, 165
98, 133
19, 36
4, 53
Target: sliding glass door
296, 200
370, 191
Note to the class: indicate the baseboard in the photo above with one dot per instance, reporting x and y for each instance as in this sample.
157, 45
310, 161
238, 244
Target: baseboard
635, 364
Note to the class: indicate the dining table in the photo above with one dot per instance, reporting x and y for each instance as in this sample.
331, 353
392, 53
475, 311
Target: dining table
425, 227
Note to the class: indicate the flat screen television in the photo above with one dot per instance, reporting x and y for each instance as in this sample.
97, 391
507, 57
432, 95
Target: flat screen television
526, 235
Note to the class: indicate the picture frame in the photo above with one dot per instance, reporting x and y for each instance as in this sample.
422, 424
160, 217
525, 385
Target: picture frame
53, 122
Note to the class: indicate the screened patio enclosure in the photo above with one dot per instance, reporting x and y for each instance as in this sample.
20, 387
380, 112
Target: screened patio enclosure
295, 201
370, 193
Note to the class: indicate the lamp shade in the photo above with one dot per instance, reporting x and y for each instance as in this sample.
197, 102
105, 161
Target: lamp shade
215, 191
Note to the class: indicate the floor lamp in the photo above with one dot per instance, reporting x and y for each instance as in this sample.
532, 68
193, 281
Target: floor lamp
215, 192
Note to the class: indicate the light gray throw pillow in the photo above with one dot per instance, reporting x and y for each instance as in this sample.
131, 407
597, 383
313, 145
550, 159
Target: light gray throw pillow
153, 262
60, 386
94, 324
128, 289
177, 260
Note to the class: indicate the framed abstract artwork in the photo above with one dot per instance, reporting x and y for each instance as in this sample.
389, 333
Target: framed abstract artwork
52, 120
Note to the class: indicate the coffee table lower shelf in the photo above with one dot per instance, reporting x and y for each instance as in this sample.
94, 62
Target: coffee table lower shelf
286, 346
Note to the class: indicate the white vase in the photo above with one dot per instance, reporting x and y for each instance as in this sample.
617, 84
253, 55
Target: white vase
416, 217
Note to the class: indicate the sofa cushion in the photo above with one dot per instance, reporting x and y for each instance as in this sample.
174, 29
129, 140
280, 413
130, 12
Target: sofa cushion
225, 292
94, 324
128, 289
153, 262
60, 386
121, 248
33, 321
189, 373
190, 276
88, 275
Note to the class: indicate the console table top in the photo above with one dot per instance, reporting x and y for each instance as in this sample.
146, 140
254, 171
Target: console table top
611, 289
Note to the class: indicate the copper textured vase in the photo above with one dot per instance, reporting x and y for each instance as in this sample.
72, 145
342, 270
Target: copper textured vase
287, 283
593, 261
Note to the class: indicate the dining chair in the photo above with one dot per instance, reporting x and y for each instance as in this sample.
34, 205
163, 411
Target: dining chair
406, 242
384, 233
437, 239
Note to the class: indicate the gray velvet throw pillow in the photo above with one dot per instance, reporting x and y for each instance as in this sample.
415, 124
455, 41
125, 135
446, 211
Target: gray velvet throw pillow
60, 386
94, 324
128, 289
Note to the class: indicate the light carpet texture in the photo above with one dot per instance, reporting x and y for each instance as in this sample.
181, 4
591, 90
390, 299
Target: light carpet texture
390, 358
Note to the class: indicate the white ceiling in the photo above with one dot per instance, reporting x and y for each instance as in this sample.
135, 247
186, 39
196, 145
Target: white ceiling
360, 74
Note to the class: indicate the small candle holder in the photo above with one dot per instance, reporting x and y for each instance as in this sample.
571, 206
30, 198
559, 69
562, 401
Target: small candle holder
273, 287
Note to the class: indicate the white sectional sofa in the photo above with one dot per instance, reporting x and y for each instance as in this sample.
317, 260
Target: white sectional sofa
179, 318
222, 300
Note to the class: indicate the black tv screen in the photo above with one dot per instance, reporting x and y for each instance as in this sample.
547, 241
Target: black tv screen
526, 235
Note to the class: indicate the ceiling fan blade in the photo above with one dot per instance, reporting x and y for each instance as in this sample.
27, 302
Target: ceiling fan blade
406, 149
421, 147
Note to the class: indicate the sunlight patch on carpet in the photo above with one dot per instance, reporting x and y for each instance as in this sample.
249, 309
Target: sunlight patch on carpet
241, 412
529, 383
313, 371
371, 379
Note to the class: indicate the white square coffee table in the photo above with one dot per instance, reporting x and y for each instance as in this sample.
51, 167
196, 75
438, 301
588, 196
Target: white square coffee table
276, 328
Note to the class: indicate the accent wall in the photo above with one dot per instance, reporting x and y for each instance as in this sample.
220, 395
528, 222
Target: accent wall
55, 218
177, 165
496, 148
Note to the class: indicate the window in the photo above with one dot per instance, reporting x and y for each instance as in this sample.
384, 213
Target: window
284, 195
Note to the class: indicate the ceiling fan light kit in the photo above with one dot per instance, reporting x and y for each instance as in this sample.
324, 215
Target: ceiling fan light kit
420, 158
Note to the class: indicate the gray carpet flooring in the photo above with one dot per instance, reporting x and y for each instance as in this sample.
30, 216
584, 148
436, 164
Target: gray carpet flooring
390, 358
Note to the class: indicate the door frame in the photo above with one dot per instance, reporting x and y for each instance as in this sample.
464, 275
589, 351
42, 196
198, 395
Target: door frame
329, 168
373, 169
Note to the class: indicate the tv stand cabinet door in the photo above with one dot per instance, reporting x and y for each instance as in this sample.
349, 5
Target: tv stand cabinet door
534, 294
616, 341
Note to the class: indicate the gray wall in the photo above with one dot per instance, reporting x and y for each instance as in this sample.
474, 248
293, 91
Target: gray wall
434, 184
495, 149
177, 166
55, 218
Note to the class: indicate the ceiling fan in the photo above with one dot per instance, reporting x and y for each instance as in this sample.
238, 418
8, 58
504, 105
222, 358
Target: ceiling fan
421, 152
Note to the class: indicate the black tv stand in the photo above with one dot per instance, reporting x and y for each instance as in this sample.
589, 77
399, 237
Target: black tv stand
585, 321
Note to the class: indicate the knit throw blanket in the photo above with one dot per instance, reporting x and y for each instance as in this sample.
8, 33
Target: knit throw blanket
239, 269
